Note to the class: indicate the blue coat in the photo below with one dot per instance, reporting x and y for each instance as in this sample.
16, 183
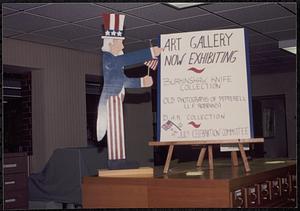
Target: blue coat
115, 80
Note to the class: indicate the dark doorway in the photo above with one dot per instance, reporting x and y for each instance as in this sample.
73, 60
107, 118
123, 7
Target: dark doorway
17, 119
269, 115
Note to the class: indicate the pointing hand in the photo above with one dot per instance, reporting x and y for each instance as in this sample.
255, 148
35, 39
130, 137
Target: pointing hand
157, 51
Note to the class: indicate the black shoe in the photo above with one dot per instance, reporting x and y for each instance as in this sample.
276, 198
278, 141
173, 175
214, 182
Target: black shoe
122, 164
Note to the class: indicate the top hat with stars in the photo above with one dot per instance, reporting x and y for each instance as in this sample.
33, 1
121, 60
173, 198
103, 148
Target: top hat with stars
113, 26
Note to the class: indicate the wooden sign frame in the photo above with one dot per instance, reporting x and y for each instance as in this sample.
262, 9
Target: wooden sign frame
208, 144
177, 55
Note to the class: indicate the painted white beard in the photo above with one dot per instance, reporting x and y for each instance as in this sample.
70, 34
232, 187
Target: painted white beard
118, 54
105, 48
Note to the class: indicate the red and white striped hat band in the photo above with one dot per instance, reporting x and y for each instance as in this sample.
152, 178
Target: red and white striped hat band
113, 25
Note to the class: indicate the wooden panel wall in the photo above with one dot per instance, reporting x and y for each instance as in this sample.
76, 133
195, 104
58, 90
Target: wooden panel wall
58, 94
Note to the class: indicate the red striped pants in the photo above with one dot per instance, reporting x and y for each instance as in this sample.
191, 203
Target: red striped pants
115, 128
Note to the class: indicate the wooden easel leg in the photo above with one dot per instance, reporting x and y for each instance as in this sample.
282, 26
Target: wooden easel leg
201, 156
210, 158
168, 160
234, 158
244, 157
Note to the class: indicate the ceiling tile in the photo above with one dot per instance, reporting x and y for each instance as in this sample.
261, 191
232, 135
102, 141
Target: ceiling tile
85, 33
7, 11
95, 23
22, 6
27, 23
149, 32
259, 39
68, 32
70, 12
257, 13
284, 35
221, 7
9, 32
94, 40
290, 5
76, 46
264, 47
38, 39
161, 13
123, 6
250, 32
130, 22
274, 25
205, 22
232, 26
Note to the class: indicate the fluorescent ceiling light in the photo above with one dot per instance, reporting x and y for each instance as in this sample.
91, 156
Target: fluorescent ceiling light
288, 45
291, 49
184, 5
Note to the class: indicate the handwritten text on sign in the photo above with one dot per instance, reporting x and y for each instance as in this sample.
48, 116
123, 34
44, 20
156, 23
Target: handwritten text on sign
203, 86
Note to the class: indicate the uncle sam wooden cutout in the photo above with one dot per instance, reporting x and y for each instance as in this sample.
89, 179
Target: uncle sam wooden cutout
110, 108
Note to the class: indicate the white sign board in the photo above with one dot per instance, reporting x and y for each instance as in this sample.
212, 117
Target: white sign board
203, 86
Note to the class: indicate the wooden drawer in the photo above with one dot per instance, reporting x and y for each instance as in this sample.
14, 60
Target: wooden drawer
238, 198
275, 189
15, 165
252, 192
265, 194
284, 186
15, 182
16, 200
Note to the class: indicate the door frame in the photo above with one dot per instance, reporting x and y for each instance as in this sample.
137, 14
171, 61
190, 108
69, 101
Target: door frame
279, 96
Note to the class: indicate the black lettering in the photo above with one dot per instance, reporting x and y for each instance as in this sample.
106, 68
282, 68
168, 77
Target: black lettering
216, 40
228, 37
222, 40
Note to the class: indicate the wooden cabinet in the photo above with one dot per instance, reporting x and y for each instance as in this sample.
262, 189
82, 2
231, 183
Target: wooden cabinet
223, 187
15, 181
275, 188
